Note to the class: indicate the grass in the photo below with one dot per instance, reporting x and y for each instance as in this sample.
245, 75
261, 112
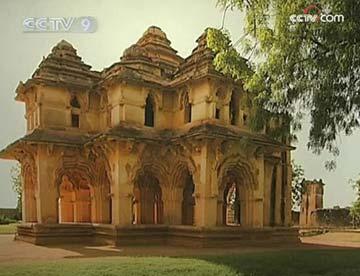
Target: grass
277, 263
8, 228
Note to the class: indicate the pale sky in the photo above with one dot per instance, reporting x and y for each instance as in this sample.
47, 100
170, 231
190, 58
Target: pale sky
120, 24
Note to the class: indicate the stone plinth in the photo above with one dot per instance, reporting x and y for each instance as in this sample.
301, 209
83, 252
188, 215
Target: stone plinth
144, 235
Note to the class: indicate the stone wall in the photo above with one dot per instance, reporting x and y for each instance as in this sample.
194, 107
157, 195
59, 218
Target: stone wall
335, 217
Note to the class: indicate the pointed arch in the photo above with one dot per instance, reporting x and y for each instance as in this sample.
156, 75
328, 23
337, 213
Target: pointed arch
234, 108
187, 109
74, 102
75, 112
149, 119
147, 203
236, 181
91, 185
75, 201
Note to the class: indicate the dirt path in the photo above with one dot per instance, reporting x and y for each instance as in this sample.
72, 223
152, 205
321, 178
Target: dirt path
11, 250
338, 239
18, 251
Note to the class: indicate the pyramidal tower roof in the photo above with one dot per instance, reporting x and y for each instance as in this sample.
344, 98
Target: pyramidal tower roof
150, 61
199, 63
154, 35
65, 68
156, 47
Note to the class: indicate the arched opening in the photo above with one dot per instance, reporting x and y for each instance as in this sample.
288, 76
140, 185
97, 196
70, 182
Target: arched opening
188, 204
74, 102
149, 112
237, 184
231, 208
75, 112
245, 119
147, 202
187, 109
234, 108
217, 113
74, 201
219, 104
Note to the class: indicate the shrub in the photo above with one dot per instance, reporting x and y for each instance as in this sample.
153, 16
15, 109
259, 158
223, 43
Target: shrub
6, 220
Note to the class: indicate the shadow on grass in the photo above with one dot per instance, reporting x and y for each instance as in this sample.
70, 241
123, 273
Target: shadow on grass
89, 250
292, 262
303, 260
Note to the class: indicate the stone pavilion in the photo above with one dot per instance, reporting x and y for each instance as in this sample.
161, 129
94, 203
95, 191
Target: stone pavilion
154, 149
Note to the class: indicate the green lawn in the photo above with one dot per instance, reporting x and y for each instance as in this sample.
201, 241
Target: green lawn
278, 263
8, 229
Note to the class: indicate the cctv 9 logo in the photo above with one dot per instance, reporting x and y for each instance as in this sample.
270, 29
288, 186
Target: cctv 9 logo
86, 24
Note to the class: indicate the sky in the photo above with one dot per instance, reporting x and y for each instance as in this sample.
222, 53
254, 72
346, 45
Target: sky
120, 24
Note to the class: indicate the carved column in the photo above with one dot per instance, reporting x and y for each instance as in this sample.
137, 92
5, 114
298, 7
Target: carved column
122, 161
268, 170
288, 199
259, 192
278, 194
220, 211
47, 192
29, 213
206, 187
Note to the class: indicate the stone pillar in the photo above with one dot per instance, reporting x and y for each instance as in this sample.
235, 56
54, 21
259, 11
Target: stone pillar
28, 198
244, 212
278, 195
220, 212
226, 114
47, 192
288, 199
206, 194
122, 193
172, 199
259, 194
268, 169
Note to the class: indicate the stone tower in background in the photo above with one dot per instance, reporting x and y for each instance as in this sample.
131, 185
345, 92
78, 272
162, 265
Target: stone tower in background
312, 199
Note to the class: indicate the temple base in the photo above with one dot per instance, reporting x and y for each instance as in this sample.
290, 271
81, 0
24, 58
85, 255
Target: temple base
144, 235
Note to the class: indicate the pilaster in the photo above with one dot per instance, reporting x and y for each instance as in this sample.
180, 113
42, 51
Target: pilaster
206, 200
47, 192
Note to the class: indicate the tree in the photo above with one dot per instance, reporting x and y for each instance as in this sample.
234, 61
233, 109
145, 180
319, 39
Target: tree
16, 185
297, 184
292, 69
355, 208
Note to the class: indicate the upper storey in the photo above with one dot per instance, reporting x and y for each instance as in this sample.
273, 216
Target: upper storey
150, 86
59, 94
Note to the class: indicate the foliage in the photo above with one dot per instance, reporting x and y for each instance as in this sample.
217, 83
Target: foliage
6, 220
297, 183
16, 185
297, 68
355, 208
